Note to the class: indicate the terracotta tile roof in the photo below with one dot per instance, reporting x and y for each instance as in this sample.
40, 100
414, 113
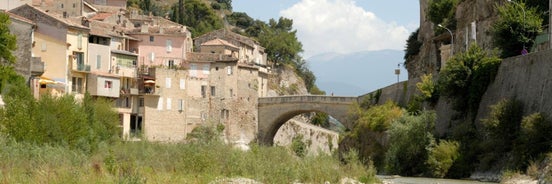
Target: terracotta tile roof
101, 16
17, 17
227, 35
197, 57
218, 42
71, 22
108, 9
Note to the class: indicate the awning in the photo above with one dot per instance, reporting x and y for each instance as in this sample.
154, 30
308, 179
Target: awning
149, 82
45, 80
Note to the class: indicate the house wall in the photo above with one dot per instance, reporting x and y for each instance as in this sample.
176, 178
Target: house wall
11, 4
159, 47
165, 119
123, 65
77, 44
98, 86
23, 32
52, 52
99, 57
73, 8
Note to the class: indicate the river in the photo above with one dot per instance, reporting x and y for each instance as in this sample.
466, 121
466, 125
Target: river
420, 180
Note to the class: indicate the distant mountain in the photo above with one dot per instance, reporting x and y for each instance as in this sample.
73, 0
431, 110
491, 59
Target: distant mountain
356, 73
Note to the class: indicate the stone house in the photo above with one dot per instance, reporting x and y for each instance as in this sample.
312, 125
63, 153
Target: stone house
62, 43
26, 65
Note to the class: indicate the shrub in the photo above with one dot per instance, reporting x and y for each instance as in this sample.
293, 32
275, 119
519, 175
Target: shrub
534, 139
428, 88
298, 146
443, 12
412, 46
466, 77
515, 29
442, 156
408, 138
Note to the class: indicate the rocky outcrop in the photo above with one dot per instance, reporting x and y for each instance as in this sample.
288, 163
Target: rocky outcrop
285, 81
474, 19
318, 139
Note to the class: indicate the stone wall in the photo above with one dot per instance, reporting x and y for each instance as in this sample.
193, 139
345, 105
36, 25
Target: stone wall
525, 78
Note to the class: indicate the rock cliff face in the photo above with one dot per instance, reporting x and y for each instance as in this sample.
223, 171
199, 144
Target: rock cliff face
285, 81
474, 19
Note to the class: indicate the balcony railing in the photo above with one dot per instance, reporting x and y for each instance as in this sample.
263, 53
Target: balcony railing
83, 68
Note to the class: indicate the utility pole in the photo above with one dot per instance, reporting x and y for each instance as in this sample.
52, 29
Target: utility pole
550, 23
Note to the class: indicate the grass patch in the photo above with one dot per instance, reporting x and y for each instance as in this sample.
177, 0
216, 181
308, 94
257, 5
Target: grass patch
145, 162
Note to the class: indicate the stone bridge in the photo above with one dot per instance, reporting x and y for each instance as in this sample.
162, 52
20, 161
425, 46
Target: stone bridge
275, 111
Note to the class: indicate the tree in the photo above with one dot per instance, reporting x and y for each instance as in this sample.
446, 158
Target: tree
199, 17
443, 12
516, 30
7, 59
240, 19
280, 41
412, 46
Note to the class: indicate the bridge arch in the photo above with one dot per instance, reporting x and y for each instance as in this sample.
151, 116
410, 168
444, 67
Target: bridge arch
275, 111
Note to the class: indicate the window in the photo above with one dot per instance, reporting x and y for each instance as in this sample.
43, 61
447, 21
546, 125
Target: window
141, 102
170, 63
108, 84
152, 56
169, 103
213, 91
79, 41
160, 104
43, 47
152, 38
231, 93
203, 91
76, 85
193, 70
98, 61
180, 105
62, 5
206, 69
168, 83
229, 70
169, 45
182, 84
74, 5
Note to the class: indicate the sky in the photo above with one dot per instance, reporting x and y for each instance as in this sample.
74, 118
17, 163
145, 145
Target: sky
341, 26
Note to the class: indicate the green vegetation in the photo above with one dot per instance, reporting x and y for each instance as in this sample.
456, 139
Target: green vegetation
413, 46
515, 29
466, 77
441, 156
197, 16
298, 146
408, 138
443, 12
368, 134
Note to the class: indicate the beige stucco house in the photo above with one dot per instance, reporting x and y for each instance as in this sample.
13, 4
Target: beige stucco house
62, 43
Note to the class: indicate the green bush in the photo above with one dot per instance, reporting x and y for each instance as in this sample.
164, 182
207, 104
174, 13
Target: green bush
534, 140
298, 146
408, 138
466, 77
441, 157
443, 12
428, 88
413, 46
516, 29
59, 120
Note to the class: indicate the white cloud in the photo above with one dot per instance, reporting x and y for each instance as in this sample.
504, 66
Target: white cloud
342, 26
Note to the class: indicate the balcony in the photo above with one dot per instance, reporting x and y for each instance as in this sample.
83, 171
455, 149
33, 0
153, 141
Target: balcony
37, 66
81, 68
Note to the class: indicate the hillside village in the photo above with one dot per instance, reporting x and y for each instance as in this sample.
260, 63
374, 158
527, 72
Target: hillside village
164, 82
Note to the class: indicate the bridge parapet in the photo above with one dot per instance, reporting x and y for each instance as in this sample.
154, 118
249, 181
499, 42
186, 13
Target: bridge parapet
308, 99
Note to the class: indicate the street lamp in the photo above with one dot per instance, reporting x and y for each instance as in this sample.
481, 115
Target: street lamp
523, 52
398, 71
451, 39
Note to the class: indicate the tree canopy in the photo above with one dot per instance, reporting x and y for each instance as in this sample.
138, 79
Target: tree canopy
198, 16
515, 29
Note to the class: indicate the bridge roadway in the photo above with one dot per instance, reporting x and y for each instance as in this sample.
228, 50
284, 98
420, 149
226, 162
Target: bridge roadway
275, 111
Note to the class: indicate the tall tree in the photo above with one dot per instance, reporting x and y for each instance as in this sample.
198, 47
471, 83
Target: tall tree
280, 40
